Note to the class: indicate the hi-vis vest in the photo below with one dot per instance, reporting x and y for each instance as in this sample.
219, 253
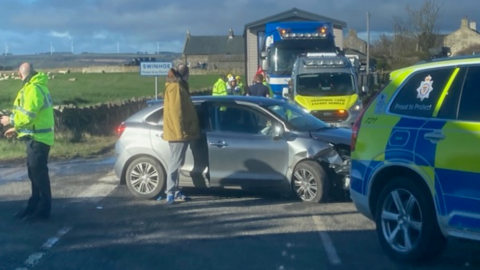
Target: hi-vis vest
219, 88
33, 111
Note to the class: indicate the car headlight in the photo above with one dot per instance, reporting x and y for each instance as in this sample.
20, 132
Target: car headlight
355, 108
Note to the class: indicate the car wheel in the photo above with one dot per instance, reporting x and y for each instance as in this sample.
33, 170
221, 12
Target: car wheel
310, 182
145, 178
406, 222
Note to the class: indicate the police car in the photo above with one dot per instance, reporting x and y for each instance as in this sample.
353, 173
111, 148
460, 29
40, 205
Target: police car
415, 155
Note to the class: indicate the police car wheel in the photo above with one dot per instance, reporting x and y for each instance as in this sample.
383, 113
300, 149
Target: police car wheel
406, 222
145, 178
310, 182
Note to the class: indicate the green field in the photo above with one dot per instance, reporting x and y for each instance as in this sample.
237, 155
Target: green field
95, 88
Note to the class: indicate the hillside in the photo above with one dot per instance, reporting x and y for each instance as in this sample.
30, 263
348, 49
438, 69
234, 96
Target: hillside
68, 60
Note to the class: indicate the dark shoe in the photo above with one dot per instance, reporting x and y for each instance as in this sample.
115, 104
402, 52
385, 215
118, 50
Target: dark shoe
34, 218
21, 214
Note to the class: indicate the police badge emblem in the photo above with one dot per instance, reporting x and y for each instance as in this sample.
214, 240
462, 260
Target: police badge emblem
425, 88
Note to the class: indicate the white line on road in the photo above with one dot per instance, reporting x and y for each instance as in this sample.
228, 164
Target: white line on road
92, 194
327, 241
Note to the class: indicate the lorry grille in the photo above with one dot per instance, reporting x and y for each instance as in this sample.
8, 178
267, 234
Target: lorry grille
330, 115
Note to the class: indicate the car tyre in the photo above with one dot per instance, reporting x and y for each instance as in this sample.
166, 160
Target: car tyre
309, 176
145, 178
417, 221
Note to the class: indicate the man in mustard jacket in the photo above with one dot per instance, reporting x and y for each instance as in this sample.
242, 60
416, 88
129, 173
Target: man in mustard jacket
180, 126
32, 121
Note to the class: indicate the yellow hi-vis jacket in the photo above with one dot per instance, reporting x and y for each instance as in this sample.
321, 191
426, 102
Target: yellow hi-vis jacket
32, 113
219, 88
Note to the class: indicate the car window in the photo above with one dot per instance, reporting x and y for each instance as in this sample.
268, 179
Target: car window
420, 94
155, 118
469, 108
449, 106
239, 119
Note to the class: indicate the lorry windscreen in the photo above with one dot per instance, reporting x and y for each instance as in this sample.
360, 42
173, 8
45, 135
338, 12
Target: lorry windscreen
325, 84
283, 54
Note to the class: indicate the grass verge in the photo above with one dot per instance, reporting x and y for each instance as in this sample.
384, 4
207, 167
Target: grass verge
89, 89
13, 152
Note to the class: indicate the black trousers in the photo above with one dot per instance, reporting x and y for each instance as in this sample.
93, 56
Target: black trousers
37, 160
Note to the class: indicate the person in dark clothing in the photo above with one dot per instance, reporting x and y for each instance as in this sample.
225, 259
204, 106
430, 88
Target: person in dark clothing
258, 89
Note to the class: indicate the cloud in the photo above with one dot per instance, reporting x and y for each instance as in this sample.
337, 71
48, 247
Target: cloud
60, 34
137, 24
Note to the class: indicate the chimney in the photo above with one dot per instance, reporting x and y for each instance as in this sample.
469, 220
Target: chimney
464, 22
230, 34
473, 25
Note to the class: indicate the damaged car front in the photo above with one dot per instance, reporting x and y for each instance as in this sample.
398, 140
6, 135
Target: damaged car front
337, 156
319, 153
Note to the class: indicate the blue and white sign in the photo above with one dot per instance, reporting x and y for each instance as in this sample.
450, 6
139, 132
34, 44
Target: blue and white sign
155, 68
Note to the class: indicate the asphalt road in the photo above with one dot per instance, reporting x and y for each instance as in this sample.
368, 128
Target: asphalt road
97, 224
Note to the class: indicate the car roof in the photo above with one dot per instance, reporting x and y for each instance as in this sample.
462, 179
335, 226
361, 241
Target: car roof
262, 101
440, 62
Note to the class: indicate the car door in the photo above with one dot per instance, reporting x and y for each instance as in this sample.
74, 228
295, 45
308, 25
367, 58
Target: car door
457, 160
194, 170
239, 153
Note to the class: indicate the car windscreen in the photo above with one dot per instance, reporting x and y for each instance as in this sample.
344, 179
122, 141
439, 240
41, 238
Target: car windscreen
296, 118
325, 84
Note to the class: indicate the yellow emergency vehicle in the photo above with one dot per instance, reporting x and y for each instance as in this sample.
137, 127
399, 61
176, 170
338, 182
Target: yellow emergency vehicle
325, 85
415, 156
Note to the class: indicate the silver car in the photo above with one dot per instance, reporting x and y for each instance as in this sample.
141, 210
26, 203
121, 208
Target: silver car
246, 142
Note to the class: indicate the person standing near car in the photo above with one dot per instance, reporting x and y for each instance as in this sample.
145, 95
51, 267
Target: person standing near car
32, 120
180, 126
258, 88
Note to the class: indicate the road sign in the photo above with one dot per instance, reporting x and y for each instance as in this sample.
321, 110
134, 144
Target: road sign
155, 68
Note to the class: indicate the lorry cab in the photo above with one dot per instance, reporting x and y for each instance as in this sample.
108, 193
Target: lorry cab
325, 85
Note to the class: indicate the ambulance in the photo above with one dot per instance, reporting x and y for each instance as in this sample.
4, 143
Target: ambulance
325, 85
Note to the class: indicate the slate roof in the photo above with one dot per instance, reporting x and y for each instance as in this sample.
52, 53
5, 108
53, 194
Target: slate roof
211, 45
295, 12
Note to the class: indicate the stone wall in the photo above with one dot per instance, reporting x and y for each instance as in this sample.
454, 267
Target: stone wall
74, 123
352, 41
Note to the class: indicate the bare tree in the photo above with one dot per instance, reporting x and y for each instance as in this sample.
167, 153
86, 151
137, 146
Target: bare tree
421, 24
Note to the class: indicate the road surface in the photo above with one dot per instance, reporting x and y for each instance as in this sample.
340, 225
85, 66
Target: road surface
97, 224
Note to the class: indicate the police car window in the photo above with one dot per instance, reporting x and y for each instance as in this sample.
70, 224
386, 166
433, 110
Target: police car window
449, 106
469, 109
420, 94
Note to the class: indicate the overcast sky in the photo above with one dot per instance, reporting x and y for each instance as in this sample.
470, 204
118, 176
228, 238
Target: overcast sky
30, 26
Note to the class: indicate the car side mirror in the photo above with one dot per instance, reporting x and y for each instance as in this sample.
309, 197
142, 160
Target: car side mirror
278, 131
285, 92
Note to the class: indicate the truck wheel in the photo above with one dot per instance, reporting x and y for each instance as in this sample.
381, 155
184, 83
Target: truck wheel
406, 220
145, 178
310, 182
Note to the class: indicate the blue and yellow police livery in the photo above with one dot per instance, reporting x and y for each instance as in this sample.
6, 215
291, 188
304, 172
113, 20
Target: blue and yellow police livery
416, 158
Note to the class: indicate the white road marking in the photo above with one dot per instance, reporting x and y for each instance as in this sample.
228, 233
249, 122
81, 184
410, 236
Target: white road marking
92, 194
327, 241
95, 193
51, 241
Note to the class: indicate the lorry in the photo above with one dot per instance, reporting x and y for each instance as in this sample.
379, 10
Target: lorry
326, 86
284, 41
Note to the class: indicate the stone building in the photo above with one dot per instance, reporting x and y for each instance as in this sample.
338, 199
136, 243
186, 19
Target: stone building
352, 41
463, 38
222, 53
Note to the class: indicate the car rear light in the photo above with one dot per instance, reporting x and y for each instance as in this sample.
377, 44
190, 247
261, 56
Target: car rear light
356, 125
121, 129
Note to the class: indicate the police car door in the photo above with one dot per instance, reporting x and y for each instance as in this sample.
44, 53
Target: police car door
457, 159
